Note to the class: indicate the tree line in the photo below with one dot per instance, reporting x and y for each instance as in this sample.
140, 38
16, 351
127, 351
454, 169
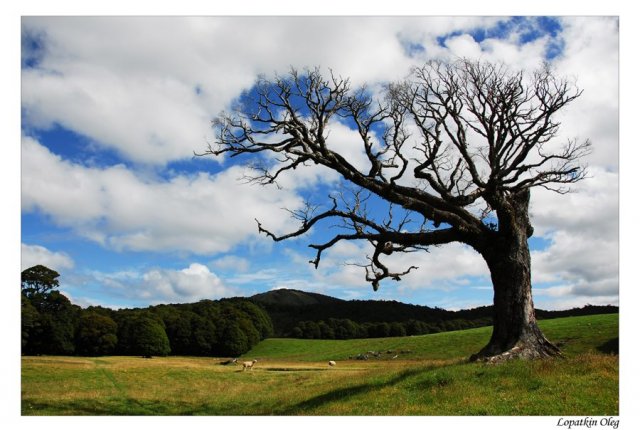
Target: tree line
51, 324
335, 328
341, 328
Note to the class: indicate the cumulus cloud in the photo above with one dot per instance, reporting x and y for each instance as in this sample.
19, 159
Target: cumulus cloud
443, 267
148, 87
576, 257
591, 59
582, 226
589, 267
190, 284
592, 208
193, 283
200, 214
33, 255
487, 41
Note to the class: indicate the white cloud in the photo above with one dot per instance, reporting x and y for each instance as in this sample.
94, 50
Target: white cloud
232, 263
193, 283
33, 255
348, 143
148, 87
583, 257
591, 58
564, 297
464, 46
577, 258
188, 285
592, 208
201, 214
443, 267
263, 276
127, 113
528, 56
505, 48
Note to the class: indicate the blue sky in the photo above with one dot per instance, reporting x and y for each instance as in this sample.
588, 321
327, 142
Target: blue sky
113, 109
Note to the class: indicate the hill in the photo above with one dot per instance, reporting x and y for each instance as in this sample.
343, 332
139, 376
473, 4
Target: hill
289, 308
575, 335
287, 297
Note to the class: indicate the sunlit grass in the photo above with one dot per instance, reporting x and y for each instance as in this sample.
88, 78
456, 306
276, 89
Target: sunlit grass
292, 377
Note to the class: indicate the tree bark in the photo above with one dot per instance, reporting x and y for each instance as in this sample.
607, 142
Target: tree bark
515, 330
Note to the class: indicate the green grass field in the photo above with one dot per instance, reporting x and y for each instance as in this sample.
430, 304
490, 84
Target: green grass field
430, 376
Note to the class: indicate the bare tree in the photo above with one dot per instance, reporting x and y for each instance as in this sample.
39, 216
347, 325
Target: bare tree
454, 149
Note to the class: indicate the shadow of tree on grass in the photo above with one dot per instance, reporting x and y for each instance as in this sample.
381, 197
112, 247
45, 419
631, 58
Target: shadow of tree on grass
346, 392
610, 347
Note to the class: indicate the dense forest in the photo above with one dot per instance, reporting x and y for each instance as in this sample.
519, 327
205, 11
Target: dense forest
51, 324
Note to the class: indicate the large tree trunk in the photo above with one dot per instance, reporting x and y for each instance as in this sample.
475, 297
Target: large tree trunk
515, 330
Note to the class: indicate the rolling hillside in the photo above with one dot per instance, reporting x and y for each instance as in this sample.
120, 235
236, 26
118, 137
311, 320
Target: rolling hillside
575, 335
288, 307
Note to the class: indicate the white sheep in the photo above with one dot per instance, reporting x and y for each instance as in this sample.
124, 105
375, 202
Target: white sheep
332, 363
248, 365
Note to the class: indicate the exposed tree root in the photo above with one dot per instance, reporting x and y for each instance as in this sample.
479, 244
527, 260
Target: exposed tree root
525, 350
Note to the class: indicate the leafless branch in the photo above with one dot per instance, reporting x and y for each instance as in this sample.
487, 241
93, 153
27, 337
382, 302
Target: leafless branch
484, 136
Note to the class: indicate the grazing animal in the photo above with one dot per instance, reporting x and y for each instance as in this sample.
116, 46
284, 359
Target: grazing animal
248, 365
332, 363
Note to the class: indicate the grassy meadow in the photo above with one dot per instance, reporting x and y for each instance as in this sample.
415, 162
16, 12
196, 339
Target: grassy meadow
430, 376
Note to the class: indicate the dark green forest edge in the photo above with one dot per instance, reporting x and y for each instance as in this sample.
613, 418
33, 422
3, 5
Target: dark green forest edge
51, 324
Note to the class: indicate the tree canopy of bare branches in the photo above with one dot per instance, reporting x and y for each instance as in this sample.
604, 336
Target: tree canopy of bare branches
454, 149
